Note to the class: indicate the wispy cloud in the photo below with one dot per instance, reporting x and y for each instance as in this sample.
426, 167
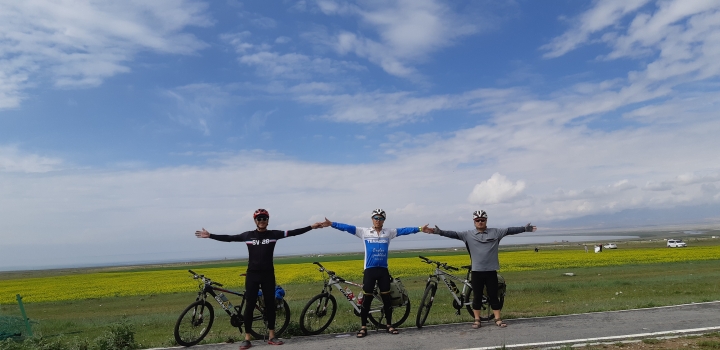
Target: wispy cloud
13, 160
407, 31
80, 43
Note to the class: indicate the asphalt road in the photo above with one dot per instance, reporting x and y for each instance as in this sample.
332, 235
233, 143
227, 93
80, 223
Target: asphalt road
539, 332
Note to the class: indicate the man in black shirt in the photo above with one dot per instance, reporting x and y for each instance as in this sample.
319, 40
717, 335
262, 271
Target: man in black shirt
260, 271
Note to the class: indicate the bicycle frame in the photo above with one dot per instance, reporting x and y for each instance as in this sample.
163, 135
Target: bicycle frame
458, 297
210, 287
333, 280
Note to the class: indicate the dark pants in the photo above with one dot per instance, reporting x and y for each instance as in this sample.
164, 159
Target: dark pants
254, 281
481, 279
372, 275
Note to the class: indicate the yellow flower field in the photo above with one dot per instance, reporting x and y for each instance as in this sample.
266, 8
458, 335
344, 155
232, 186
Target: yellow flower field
109, 284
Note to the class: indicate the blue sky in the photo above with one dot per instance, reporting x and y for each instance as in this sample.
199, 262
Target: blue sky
126, 127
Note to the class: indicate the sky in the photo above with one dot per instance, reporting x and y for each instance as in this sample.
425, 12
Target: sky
125, 127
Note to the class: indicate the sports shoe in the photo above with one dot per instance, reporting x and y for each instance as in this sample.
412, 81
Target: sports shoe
275, 341
246, 344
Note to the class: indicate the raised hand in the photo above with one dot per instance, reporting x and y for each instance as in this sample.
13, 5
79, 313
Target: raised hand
317, 225
326, 223
202, 233
427, 229
530, 228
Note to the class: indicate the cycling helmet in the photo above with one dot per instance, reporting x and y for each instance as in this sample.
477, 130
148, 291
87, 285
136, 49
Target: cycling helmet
260, 212
479, 214
378, 212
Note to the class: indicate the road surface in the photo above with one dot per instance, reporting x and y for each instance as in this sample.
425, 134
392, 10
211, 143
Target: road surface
537, 332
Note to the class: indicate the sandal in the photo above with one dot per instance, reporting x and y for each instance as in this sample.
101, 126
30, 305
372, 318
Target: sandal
500, 323
362, 332
275, 341
392, 330
476, 324
246, 344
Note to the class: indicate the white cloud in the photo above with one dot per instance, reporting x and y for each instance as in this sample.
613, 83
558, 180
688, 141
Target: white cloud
601, 16
377, 107
496, 189
81, 43
12, 160
408, 31
284, 66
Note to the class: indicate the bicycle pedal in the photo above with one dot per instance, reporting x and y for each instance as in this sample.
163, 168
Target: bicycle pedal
457, 312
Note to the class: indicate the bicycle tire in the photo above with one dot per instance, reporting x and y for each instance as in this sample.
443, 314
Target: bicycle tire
425, 304
318, 313
257, 328
190, 328
377, 306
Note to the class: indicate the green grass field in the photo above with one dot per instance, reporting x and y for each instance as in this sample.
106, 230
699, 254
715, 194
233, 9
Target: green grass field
529, 293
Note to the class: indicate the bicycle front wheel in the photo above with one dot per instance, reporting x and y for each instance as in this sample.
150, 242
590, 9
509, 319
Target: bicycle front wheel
194, 323
377, 313
318, 313
425, 304
258, 326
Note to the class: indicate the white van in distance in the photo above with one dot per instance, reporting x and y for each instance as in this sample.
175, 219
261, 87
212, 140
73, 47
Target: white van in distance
676, 243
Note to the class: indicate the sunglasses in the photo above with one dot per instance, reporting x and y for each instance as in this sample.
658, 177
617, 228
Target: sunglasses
261, 218
479, 219
378, 218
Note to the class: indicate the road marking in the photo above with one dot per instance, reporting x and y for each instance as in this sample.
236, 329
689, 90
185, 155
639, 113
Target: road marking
587, 341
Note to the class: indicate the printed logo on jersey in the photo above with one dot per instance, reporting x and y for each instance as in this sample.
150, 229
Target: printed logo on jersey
260, 241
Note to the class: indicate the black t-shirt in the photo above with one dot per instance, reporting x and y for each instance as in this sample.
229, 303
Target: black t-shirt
261, 245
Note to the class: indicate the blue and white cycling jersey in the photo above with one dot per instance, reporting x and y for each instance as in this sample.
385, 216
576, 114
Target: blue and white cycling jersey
376, 244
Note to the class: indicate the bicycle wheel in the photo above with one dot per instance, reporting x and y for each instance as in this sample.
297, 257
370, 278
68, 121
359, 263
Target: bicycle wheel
194, 323
425, 304
377, 314
257, 326
317, 314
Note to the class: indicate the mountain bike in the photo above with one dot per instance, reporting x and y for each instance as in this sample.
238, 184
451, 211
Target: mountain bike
320, 310
196, 320
461, 298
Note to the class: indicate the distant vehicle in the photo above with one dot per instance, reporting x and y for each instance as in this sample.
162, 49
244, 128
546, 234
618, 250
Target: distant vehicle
675, 243
610, 246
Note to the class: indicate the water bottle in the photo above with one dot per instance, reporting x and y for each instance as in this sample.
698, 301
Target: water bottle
360, 298
349, 293
454, 287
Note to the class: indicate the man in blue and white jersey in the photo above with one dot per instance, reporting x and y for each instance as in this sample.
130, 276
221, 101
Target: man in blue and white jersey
377, 243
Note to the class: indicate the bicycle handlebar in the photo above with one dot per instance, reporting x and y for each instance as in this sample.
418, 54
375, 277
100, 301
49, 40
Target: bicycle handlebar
204, 279
438, 264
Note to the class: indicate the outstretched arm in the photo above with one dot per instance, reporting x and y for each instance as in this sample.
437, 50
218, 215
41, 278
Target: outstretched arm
223, 238
342, 227
448, 234
521, 229
409, 230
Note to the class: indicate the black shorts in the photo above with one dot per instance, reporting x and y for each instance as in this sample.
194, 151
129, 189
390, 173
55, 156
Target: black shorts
381, 275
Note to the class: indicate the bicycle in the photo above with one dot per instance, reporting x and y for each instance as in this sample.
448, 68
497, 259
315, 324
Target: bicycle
196, 320
317, 314
461, 298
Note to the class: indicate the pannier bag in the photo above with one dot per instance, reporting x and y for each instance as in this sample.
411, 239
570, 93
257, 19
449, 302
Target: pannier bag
398, 294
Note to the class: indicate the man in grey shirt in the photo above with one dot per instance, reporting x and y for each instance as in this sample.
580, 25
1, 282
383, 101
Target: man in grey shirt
482, 243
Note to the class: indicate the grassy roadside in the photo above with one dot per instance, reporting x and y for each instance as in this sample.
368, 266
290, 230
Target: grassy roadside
530, 293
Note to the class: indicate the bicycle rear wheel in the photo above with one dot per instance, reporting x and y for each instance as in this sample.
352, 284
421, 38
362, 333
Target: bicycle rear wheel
194, 323
425, 304
318, 313
258, 327
377, 313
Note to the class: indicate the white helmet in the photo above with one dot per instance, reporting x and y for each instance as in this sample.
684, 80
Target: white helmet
378, 212
479, 214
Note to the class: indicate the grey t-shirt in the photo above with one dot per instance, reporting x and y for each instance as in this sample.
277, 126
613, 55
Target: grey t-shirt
483, 246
